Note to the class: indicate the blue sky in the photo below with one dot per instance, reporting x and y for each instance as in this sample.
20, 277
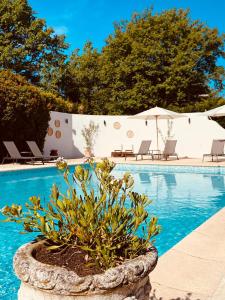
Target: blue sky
83, 20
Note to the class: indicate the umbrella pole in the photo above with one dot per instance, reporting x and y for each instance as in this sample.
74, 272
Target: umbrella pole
157, 138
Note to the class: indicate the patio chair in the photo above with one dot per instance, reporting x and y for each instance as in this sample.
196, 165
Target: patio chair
37, 152
14, 153
169, 150
217, 149
143, 150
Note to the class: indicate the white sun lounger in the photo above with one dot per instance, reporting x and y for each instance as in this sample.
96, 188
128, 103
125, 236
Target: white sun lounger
37, 152
14, 153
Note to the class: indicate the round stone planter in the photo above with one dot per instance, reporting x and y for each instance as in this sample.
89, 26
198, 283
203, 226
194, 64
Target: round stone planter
129, 281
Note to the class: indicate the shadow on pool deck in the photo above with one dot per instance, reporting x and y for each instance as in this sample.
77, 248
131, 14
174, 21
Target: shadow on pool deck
188, 296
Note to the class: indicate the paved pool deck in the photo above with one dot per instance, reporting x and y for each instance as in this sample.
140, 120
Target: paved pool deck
121, 160
194, 269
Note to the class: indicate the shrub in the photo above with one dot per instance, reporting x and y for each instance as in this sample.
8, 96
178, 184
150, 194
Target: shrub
57, 103
24, 110
103, 222
24, 114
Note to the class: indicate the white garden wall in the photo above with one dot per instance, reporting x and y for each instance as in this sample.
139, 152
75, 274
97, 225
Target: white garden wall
194, 134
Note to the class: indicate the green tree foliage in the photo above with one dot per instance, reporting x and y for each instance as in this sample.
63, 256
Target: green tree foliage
202, 105
81, 82
57, 103
28, 46
104, 222
155, 59
24, 110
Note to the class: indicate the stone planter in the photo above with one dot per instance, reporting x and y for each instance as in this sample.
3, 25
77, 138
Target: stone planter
129, 281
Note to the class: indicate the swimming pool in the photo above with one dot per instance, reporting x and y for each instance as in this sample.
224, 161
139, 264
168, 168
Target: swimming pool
183, 198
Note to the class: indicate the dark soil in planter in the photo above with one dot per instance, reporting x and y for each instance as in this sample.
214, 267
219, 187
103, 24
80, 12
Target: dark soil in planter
71, 258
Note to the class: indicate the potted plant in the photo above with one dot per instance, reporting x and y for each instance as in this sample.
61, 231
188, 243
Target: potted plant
90, 133
87, 247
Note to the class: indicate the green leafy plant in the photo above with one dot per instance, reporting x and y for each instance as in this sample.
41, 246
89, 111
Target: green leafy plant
24, 110
89, 133
103, 222
166, 59
28, 46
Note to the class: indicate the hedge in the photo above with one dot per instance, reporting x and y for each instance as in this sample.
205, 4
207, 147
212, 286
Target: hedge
24, 110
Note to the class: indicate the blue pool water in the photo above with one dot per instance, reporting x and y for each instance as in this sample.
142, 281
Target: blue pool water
183, 198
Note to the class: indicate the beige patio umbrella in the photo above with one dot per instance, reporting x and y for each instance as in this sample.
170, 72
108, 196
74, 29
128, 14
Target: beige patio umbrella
157, 113
215, 112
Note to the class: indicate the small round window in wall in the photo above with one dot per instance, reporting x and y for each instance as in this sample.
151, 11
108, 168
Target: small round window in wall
58, 134
50, 131
130, 134
57, 123
116, 125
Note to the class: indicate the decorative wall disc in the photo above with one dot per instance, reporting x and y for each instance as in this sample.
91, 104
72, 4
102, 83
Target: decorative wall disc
57, 123
117, 125
130, 134
50, 131
58, 134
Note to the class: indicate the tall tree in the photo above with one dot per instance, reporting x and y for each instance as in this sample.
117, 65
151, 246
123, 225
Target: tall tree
164, 59
81, 80
156, 59
27, 46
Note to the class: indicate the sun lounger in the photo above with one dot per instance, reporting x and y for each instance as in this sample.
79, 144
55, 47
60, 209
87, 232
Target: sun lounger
169, 150
37, 152
217, 149
143, 150
14, 153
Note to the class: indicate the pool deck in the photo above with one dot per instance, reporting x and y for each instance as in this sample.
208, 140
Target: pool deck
194, 269
130, 160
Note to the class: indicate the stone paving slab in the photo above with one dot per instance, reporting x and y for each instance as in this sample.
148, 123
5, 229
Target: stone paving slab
200, 245
220, 292
162, 292
187, 272
214, 227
